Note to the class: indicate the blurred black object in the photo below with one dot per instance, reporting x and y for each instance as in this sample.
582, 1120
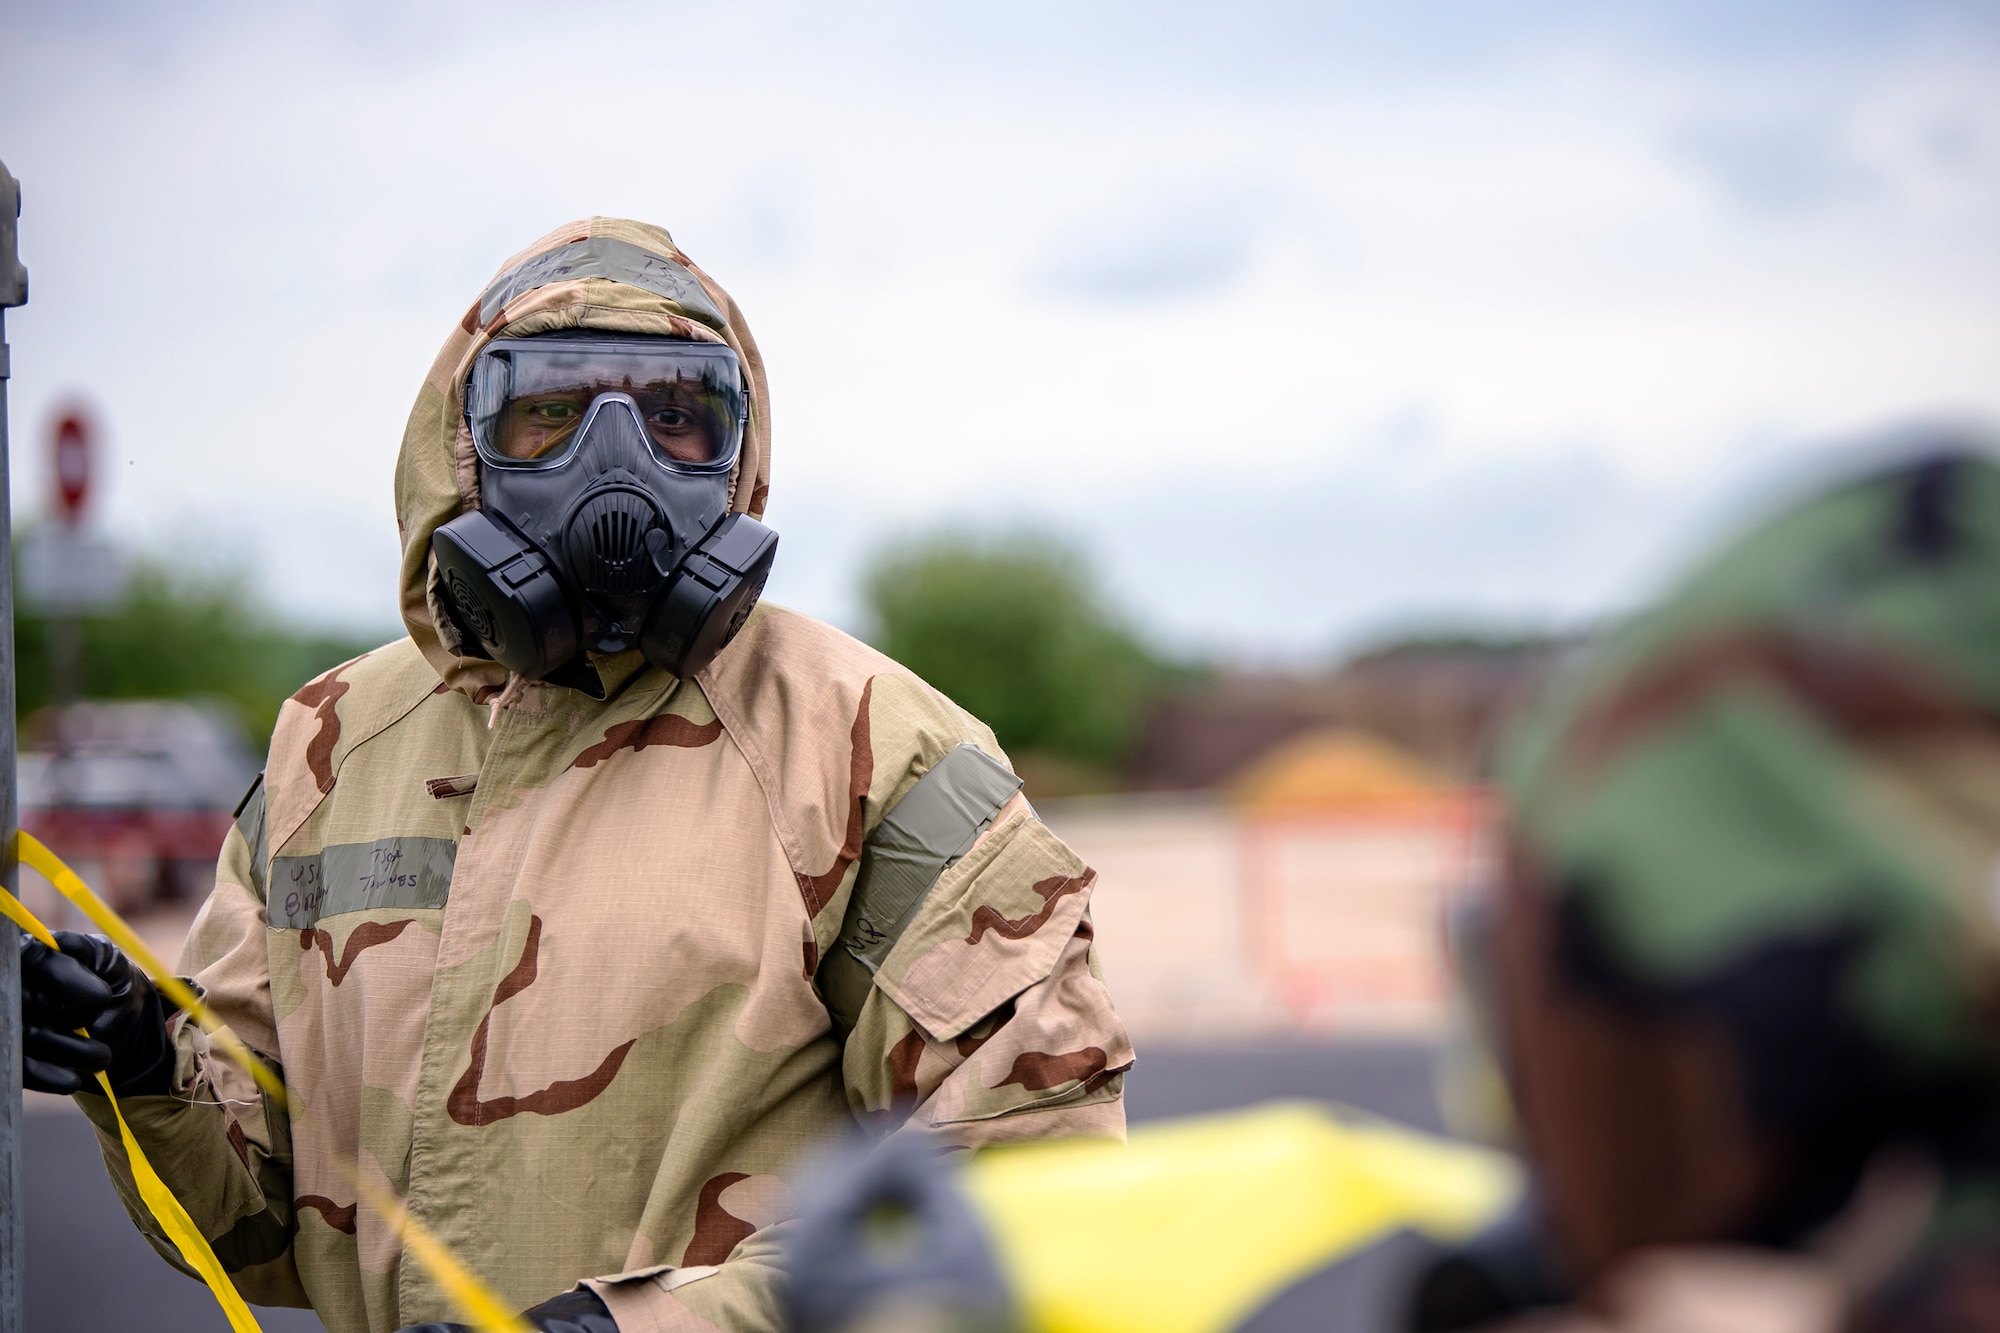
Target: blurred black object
885, 1239
1365, 1292
579, 1311
1506, 1270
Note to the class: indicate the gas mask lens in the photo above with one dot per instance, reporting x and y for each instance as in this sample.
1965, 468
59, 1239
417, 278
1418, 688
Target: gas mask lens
604, 520
527, 398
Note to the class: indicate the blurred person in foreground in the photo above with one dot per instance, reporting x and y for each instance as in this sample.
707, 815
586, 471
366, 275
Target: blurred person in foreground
551, 911
1746, 958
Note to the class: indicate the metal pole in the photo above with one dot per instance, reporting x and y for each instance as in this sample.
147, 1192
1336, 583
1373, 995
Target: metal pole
13, 1231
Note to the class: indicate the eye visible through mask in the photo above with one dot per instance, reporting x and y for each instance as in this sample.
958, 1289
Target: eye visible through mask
526, 397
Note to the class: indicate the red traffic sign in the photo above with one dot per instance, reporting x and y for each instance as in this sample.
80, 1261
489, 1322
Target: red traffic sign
72, 460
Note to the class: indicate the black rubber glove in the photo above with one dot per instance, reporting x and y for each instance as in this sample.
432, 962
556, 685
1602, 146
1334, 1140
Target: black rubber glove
90, 984
572, 1312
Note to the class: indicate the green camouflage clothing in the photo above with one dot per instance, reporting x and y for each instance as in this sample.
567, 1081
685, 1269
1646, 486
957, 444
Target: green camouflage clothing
552, 982
1749, 929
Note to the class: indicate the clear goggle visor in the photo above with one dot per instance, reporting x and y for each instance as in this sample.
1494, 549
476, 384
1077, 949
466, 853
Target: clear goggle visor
526, 397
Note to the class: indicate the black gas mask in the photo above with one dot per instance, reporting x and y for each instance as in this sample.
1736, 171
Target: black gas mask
604, 465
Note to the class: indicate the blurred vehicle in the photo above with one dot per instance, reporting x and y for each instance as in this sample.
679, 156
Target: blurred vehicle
136, 795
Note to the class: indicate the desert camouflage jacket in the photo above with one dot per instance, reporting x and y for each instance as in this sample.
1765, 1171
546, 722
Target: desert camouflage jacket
552, 982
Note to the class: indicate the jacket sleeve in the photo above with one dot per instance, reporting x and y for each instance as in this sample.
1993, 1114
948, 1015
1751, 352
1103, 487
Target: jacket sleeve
739, 1295
223, 1150
989, 1021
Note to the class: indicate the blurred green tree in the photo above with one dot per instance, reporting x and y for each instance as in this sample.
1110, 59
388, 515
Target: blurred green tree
1017, 631
176, 635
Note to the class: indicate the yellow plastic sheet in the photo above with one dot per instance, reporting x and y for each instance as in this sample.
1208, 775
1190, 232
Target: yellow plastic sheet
478, 1302
1196, 1223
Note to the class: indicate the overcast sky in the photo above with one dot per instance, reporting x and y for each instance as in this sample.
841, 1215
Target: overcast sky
1307, 320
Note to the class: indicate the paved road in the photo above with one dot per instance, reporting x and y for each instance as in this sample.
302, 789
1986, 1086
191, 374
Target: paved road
89, 1271
1390, 1078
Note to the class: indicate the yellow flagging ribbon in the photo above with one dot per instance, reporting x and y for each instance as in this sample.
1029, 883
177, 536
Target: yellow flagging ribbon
473, 1297
160, 1200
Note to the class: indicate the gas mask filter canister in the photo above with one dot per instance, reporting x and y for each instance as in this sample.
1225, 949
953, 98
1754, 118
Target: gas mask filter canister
604, 467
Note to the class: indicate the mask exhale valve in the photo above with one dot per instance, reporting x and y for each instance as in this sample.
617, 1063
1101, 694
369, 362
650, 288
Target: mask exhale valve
604, 476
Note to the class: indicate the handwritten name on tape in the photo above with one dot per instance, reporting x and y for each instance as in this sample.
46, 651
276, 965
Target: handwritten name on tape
359, 877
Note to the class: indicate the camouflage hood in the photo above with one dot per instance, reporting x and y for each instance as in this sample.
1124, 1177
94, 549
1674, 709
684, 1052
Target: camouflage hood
1752, 924
602, 273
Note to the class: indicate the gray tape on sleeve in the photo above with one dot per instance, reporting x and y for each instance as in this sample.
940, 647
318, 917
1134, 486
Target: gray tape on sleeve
250, 823
935, 823
602, 257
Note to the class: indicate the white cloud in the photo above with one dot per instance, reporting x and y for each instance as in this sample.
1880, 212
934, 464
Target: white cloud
1110, 262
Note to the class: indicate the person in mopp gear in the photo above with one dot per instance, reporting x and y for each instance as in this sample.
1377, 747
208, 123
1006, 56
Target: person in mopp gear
580, 915
1746, 958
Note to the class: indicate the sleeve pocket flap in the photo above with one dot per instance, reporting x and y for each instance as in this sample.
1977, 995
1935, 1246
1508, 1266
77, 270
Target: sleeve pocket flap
994, 926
